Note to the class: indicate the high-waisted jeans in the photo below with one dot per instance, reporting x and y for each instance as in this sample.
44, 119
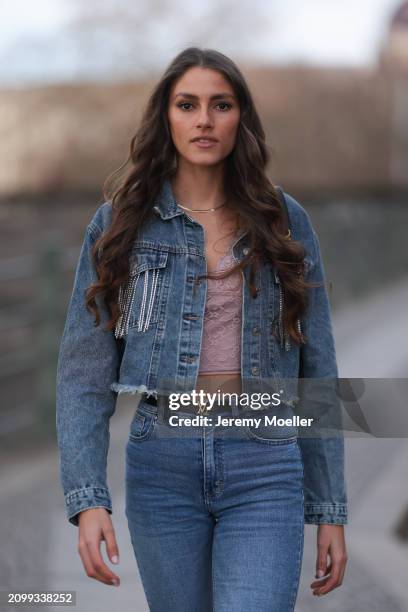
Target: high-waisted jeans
215, 513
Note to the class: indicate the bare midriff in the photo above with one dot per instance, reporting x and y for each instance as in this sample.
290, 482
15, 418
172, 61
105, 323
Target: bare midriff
219, 381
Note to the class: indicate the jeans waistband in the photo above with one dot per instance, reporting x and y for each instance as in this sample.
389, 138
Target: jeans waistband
161, 406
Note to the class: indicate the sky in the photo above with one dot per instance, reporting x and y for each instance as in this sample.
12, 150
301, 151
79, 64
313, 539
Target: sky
35, 46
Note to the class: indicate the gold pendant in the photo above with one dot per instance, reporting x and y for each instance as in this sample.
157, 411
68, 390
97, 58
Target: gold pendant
201, 408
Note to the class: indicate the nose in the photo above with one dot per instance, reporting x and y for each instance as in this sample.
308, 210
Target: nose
204, 118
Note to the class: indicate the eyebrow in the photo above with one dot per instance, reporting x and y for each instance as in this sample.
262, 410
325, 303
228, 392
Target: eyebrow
214, 97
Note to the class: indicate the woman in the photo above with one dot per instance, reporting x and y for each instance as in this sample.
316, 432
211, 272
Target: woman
204, 288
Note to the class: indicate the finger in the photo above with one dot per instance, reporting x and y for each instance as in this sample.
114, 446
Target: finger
103, 572
86, 560
334, 579
321, 561
112, 549
338, 570
321, 581
316, 584
343, 570
88, 565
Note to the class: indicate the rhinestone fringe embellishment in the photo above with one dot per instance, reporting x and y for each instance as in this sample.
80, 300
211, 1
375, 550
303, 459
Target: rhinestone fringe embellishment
283, 335
126, 298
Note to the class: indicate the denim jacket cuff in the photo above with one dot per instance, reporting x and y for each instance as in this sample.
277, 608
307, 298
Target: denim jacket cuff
333, 514
82, 499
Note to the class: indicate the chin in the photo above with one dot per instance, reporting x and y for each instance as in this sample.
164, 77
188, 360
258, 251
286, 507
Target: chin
200, 160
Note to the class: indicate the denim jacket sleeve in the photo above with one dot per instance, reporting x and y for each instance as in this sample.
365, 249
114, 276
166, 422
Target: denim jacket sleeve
87, 365
323, 455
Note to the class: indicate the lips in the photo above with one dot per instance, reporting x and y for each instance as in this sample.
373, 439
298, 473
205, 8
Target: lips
203, 139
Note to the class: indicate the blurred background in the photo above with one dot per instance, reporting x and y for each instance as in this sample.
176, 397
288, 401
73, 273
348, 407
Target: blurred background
330, 81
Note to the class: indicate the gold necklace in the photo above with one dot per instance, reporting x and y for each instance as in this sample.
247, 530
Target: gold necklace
202, 209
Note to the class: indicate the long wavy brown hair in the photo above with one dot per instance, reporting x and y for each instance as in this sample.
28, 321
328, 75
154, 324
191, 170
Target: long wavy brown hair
249, 192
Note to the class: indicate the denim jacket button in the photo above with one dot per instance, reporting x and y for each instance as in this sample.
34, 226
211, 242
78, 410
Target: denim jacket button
255, 370
255, 330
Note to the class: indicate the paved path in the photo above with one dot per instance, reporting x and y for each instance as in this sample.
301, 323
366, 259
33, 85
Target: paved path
39, 546
370, 342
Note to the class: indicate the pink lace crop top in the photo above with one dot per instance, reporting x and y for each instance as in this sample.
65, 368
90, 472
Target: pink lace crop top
221, 342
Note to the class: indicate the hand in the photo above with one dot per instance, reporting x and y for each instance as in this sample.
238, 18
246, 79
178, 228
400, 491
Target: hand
95, 525
330, 541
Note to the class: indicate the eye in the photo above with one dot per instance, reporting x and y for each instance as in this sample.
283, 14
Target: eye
225, 104
182, 104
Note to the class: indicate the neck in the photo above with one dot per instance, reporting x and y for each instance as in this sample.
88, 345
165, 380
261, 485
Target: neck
198, 190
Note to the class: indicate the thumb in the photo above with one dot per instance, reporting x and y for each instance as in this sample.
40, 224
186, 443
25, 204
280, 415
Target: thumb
111, 545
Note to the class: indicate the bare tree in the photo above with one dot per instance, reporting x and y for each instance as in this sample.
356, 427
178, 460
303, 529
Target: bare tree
128, 39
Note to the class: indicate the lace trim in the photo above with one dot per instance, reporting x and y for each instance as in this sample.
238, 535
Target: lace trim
221, 346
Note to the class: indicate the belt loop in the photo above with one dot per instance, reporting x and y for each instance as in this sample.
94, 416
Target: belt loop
162, 407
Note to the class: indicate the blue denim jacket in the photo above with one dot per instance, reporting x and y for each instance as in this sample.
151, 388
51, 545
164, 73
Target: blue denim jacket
167, 320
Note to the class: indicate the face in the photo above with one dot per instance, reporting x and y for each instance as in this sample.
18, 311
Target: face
203, 104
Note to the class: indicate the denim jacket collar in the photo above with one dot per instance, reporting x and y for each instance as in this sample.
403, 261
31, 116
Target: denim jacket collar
166, 205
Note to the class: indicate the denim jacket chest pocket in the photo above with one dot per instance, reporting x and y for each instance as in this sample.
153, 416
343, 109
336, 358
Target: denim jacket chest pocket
141, 298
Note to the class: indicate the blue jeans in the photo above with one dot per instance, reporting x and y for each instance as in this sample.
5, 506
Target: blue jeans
215, 513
